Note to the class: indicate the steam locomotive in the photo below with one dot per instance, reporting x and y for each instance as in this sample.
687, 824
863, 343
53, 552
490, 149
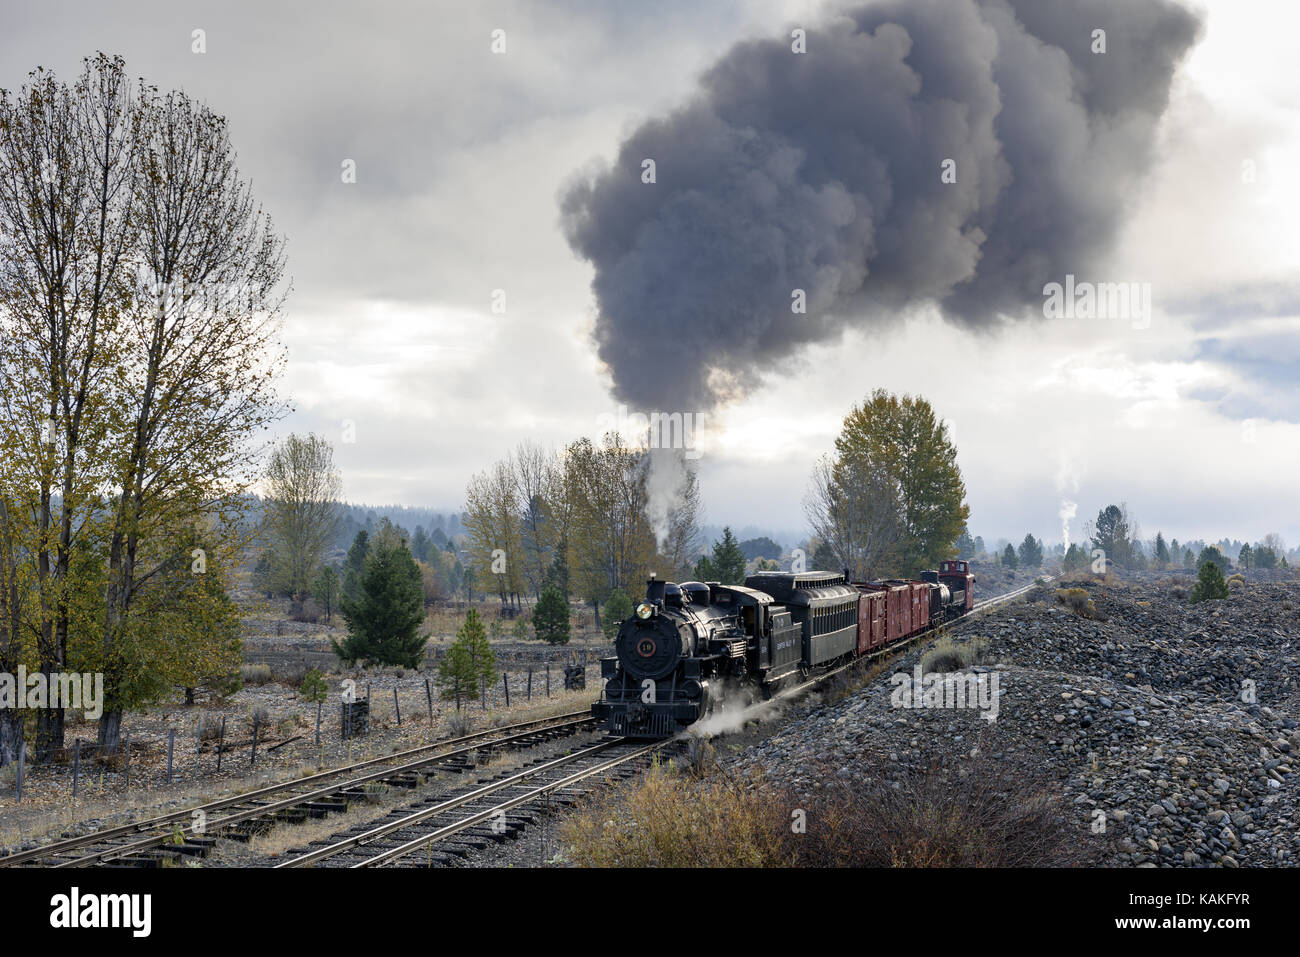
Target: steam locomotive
689, 647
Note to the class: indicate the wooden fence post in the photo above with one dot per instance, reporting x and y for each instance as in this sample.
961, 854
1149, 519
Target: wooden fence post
221, 741
397, 707
76, 768
458, 693
198, 746
22, 750
482, 688
171, 743
530, 684
548, 681
505, 680
252, 758
127, 764
319, 705
428, 697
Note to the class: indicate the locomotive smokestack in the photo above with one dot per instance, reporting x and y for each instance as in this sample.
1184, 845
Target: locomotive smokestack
654, 590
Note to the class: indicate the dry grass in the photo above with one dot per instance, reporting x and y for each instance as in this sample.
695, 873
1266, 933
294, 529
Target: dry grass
948, 654
255, 674
980, 814
671, 820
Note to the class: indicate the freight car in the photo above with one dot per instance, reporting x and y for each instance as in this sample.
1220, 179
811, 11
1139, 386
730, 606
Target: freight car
689, 647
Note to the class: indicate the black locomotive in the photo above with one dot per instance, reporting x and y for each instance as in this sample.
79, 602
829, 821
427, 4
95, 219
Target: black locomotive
689, 647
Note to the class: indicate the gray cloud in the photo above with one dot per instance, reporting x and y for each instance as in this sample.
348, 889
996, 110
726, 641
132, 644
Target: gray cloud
821, 172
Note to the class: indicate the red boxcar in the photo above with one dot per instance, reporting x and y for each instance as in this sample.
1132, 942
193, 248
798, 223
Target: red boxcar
871, 617
898, 610
920, 606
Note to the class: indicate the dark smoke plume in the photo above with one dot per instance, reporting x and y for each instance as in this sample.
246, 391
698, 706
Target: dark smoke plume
821, 171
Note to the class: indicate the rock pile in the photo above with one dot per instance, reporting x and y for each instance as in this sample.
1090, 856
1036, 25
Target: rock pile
1170, 730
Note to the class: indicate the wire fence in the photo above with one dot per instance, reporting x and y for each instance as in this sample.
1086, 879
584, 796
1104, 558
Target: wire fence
211, 744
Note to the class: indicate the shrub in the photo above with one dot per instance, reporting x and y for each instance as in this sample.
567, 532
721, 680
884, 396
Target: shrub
1210, 585
304, 611
949, 655
520, 628
290, 673
314, 687
255, 674
1077, 600
1237, 580
675, 822
259, 716
210, 729
459, 724
977, 813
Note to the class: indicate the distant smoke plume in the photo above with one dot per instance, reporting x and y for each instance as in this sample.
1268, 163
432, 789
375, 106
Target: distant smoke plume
821, 171
1068, 511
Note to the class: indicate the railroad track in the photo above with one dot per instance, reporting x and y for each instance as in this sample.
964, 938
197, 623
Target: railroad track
997, 600
150, 842
492, 811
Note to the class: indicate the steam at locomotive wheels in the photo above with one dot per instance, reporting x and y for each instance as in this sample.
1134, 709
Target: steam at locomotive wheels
687, 648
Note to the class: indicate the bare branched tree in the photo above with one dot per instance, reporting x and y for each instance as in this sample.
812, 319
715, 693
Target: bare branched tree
855, 510
529, 463
681, 544
302, 513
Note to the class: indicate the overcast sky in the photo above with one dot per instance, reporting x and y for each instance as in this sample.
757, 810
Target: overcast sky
462, 156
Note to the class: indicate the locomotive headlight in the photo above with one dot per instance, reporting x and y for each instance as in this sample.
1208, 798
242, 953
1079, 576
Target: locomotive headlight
644, 610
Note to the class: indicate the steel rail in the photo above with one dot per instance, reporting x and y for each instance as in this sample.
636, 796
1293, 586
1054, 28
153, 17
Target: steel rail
447, 748
376, 833
480, 817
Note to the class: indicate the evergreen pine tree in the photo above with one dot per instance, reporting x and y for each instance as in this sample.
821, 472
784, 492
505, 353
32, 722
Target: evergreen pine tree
385, 616
551, 616
1075, 557
616, 611
728, 560
1211, 553
1162, 551
1009, 559
469, 661
1209, 584
354, 564
823, 558
704, 570
1031, 552
325, 589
